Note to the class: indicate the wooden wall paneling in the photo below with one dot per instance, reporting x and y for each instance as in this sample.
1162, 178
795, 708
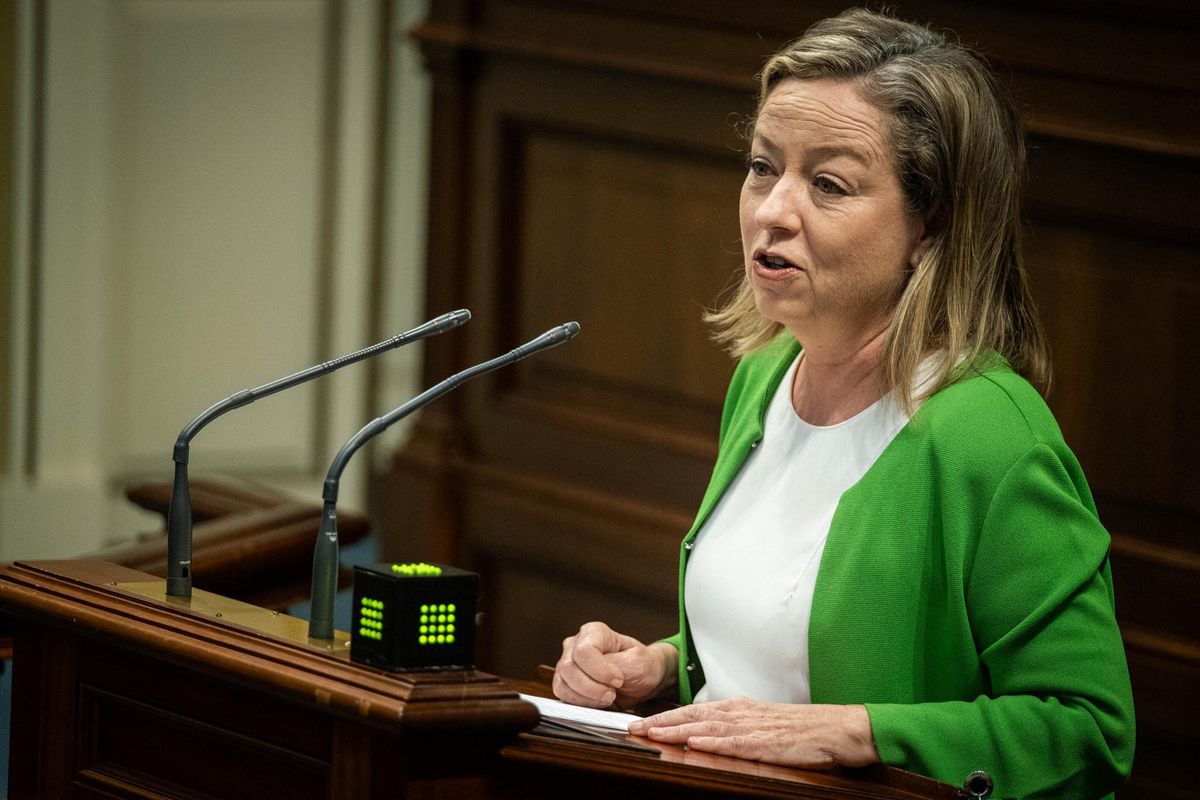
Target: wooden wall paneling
591, 204
1165, 691
420, 503
586, 224
553, 558
596, 179
1113, 254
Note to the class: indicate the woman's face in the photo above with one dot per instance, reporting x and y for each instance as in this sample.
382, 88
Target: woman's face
825, 230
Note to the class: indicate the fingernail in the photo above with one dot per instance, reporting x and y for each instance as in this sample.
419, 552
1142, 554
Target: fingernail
617, 683
637, 726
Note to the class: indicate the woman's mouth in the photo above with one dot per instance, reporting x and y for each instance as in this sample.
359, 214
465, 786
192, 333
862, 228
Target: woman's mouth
773, 267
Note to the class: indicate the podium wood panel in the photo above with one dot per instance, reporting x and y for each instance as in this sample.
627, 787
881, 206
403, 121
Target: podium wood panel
118, 694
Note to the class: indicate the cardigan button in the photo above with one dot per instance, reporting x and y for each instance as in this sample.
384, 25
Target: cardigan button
978, 785
691, 667
689, 545
755, 443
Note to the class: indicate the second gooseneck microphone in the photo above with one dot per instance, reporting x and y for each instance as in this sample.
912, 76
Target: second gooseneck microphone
179, 516
325, 559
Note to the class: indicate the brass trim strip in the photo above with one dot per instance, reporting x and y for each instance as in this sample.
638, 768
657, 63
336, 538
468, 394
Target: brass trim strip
235, 612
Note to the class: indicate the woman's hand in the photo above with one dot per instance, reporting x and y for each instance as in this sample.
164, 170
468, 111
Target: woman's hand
600, 667
779, 733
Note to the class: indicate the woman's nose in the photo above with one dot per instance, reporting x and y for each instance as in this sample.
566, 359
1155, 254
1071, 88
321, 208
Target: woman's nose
780, 209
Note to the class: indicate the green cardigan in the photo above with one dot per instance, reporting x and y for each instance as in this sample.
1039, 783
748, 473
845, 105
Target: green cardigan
964, 594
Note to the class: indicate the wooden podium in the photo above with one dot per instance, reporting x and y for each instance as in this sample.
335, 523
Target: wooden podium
119, 692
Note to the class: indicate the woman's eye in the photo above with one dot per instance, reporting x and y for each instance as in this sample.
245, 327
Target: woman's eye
760, 168
827, 185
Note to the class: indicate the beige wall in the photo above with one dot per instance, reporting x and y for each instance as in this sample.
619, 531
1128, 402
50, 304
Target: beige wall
8, 61
208, 219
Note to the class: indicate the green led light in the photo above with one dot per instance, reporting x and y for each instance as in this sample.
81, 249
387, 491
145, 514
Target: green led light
450, 608
416, 569
423, 639
441, 639
423, 629
449, 629
449, 618
424, 609
441, 618
450, 639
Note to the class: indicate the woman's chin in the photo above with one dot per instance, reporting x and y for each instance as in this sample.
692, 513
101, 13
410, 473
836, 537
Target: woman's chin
789, 313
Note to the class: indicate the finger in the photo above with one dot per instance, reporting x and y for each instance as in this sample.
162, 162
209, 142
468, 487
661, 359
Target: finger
676, 716
738, 746
679, 734
568, 671
568, 647
640, 668
565, 692
596, 694
591, 659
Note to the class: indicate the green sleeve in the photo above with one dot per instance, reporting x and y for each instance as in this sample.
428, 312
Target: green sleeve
1057, 717
675, 640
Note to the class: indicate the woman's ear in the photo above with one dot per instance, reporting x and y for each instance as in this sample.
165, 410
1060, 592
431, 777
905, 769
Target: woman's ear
932, 227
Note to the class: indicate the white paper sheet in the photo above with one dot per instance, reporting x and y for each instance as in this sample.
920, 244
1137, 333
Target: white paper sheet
556, 709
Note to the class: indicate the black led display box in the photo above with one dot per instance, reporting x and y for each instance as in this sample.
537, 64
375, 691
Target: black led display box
414, 617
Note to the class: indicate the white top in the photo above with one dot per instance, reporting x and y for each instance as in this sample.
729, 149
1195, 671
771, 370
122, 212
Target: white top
750, 577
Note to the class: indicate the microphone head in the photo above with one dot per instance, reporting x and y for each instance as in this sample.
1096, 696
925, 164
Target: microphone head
551, 338
557, 335
453, 319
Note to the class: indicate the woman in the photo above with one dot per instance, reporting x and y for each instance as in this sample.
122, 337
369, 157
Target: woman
898, 558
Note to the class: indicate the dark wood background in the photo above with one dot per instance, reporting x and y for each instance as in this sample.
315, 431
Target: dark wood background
585, 166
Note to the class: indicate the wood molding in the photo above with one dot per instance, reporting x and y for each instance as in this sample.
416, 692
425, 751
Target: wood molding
648, 39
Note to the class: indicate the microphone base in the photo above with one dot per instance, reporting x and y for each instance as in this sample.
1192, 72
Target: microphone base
320, 629
179, 587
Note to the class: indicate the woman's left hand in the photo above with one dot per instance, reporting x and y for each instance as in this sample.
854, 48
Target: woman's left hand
815, 737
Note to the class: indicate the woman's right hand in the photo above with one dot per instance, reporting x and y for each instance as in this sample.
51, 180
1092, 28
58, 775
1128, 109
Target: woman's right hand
600, 667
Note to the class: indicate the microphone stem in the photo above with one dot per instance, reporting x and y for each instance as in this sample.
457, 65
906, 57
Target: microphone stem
179, 515
325, 575
179, 531
325, 564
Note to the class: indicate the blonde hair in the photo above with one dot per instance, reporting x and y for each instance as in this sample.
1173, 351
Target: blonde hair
959, 152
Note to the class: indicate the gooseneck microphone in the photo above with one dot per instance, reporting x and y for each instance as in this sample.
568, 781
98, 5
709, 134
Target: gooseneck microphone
325, 559
179, 516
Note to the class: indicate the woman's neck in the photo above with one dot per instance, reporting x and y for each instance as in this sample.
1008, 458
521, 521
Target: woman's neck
834, 384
